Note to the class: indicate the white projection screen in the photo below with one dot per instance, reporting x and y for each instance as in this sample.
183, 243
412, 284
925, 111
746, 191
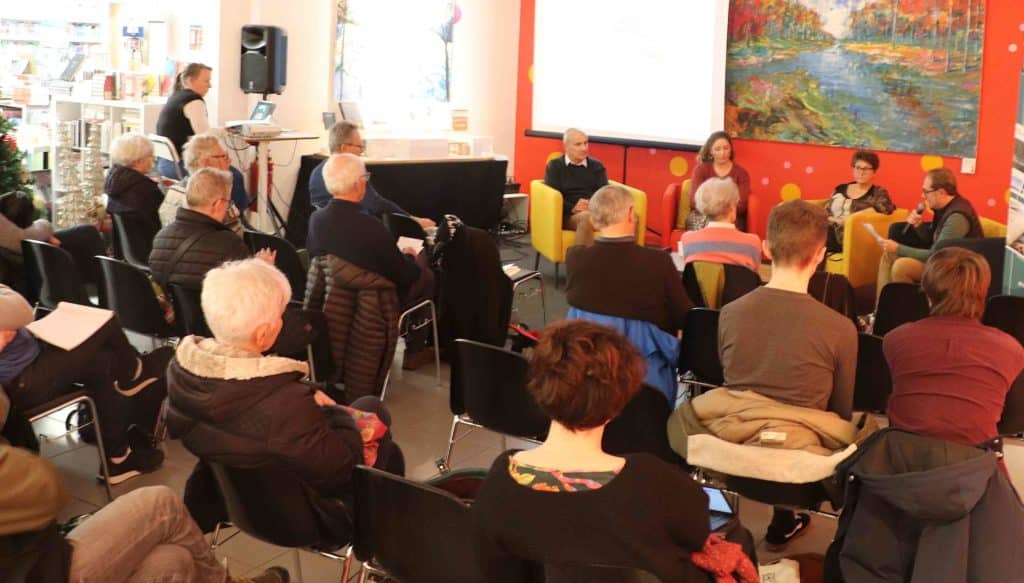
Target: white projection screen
641, 70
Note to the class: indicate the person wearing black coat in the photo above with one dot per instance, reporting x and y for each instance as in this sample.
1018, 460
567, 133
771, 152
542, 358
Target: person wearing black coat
130, 192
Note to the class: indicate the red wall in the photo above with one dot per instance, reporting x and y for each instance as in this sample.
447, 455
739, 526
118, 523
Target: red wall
814, 170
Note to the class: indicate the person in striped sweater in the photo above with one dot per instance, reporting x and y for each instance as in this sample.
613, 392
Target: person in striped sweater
720, 241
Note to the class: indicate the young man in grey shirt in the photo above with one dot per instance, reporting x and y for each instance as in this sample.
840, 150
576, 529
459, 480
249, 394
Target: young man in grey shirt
782, 343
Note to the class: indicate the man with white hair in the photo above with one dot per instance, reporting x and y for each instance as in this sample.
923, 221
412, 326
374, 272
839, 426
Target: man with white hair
720, 241
129, 190
342, 230
228, 403
596, 275
577, 176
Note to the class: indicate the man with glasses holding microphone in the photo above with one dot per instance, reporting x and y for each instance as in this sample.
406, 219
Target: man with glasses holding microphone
345, 138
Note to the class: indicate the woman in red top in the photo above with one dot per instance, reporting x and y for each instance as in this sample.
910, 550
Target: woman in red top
951, 373
715, 158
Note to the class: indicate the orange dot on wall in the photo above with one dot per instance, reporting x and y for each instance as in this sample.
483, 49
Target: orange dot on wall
554, 155
678, 166
789, 191
931, 162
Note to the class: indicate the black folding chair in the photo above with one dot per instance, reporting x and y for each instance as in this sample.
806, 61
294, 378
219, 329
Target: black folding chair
134, 239
188, 311
403, 226
488, 390
699, 351
130, 295
992, 249
737, 282
1007, 314
898, 304
835, 291
51, 275
277, 507
873, 382
288, 259
1012, 421
411, 532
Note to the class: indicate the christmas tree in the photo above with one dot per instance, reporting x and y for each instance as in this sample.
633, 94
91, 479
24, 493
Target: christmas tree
12, 173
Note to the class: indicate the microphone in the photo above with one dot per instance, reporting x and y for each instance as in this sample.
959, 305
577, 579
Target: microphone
918, 210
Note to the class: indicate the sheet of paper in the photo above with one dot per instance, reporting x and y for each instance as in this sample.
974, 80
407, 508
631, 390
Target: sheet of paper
69, 325
415, 244
874, 233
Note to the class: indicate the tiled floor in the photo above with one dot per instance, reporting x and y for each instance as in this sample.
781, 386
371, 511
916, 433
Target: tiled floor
421, 422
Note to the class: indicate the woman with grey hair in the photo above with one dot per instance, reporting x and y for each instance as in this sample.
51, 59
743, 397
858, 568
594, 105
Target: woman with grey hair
720, 241
130, 192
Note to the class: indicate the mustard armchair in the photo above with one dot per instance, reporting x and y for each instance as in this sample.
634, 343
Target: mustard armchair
861, 253
990, 228
546, 233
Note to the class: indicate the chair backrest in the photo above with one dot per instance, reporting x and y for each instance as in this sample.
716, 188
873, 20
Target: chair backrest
1012, 420
898, 304
288, 260
130, 295
276, 506
1007, 314
134, 238
595, 573
413, 531
873, 381
739, 281
699, 353
188, 310
489, 384
164, 148
51, 275
403, 226
692, 286
835, 291
992, 249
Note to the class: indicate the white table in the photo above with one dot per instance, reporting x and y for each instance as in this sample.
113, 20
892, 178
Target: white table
263, 221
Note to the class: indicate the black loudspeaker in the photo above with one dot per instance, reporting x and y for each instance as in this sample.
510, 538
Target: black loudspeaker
264, 59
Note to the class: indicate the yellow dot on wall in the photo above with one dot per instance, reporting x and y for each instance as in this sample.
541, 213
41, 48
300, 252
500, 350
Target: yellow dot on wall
554, 155
931, 162
529, 73
789, 191
1008, 193
678, 166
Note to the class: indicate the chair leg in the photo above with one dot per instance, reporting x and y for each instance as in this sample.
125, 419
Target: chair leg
437, 347
216, 536
347, 568
363, 573
451, 442
298, 564
543, 302
536, 262
99, 445
309, 361
384, 389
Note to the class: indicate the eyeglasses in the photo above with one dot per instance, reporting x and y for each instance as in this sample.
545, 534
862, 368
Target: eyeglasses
366, 177
863, 169
927, 191
361, 147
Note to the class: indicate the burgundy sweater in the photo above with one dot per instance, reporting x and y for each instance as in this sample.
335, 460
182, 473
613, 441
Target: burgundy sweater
950, 377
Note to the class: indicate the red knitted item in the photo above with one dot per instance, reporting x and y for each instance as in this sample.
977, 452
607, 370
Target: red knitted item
726, 561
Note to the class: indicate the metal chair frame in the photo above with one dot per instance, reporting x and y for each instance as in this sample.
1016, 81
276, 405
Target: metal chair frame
76, 399
437, 347
525, 276
345, 559
164, 148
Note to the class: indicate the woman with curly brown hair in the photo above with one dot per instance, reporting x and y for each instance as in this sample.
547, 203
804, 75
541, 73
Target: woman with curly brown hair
567, 502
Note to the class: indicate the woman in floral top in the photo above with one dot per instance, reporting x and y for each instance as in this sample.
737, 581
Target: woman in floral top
852, 197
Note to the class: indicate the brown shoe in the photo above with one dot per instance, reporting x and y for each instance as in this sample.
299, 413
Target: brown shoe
414, 360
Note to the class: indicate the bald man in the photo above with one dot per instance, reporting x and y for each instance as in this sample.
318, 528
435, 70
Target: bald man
577, 176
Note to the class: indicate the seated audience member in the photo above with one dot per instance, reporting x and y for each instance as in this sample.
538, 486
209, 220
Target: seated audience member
951, 374
206, 151
143, 535
230, 404
567, 502
780, 342
715, 159
905, 252
123, 383
345, 138
856, 196
720, 241
616, 277
577, 176
129, 190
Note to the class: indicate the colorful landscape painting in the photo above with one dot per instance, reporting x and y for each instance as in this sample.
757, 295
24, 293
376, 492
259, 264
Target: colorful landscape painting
895, 75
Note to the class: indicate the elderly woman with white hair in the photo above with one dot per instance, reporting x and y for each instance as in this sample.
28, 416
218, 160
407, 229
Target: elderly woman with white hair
720, 241
130, 192
230, 403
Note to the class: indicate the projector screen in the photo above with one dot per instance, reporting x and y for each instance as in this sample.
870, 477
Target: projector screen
642, 70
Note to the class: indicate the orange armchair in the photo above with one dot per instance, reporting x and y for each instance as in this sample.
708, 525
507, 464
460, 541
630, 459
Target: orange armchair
675, 208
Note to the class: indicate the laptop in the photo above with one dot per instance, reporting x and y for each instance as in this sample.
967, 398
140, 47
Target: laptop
718, 506
263, 111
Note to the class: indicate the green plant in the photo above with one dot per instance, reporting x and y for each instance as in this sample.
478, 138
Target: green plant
13, 175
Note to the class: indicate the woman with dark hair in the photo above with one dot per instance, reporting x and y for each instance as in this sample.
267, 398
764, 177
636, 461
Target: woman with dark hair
715, 158
951, 373
568, 503
852, 197
184, 115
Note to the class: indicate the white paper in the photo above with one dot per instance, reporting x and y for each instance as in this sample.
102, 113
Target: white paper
874, 233
415, 244
69, 325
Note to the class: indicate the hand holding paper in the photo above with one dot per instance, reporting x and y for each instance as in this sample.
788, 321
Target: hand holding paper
406, 244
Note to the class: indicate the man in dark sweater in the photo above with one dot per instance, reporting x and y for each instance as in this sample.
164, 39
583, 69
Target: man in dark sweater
577, 176
343, 230
780, 342
653, 292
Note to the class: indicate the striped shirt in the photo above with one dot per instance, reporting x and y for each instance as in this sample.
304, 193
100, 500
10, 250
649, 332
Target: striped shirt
722, 243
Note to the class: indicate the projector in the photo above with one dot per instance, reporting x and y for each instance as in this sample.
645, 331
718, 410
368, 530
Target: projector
251, 129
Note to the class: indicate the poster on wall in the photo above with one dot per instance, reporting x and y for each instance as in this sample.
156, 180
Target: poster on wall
894, 75
1013, 270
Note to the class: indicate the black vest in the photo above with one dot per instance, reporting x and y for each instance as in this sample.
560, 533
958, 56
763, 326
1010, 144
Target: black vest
172, 123
961, 205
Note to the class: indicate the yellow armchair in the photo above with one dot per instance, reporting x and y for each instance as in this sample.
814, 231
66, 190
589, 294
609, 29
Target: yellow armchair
990, 228
546, 232
861, 253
